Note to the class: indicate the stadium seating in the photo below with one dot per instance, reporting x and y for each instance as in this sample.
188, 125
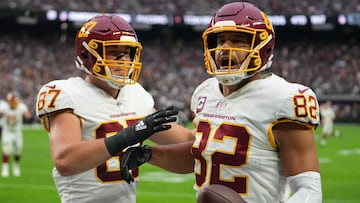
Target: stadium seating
172, 68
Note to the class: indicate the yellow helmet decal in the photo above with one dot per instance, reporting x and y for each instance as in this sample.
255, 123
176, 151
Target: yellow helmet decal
267, 21
86, 28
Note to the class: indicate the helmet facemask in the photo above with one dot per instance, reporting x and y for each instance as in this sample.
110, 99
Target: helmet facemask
230, 71
246, 18
101, 69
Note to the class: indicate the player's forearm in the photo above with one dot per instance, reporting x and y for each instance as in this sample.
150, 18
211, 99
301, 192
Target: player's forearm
176, 158
175, 134
79, 157
306, 187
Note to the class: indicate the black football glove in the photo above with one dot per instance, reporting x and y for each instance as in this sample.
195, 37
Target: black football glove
141, 130
133, 158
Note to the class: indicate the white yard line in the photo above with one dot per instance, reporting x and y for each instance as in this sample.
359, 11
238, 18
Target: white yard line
166, 177
27, 186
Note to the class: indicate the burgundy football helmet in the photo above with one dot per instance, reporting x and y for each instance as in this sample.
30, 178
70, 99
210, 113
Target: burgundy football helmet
245, 18
13, 99
94, 39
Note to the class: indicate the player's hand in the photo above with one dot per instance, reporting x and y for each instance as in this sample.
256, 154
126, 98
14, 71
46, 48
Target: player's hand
154, 122
133, 158
141, 130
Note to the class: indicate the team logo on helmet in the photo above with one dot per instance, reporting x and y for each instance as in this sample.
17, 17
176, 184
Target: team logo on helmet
267, 21
86, 28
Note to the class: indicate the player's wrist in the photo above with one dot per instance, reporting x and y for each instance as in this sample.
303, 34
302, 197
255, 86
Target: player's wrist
116, 143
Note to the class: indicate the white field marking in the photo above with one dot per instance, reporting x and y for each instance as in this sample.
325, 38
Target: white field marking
27, 186
181, 195
341, 201
348, 152
52, 188
146, 177
343, 152
324, 160
166, 177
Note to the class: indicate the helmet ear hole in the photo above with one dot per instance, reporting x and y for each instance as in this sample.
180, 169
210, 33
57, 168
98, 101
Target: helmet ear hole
83, 55
268, 50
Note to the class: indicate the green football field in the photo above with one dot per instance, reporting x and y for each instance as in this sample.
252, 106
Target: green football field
339, 159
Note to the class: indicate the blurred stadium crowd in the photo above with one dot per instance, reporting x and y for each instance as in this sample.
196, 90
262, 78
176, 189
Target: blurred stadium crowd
171, 71
172, 68
198, 7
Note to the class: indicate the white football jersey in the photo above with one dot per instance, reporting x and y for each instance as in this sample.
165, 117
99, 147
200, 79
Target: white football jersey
327, 115
12, 118
2, 118
234, 145
101, 115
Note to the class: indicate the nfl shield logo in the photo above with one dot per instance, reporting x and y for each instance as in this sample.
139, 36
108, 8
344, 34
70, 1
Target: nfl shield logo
221, 105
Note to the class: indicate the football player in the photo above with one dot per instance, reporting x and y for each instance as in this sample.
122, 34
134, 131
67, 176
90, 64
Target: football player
2, 103
254, 130
92, 119
13, 112
328, 116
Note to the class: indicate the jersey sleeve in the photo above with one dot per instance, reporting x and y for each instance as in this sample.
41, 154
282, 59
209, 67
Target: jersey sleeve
300, 105
198, 101
53, 97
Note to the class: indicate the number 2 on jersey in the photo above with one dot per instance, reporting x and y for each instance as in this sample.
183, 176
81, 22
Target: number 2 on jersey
222, 157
